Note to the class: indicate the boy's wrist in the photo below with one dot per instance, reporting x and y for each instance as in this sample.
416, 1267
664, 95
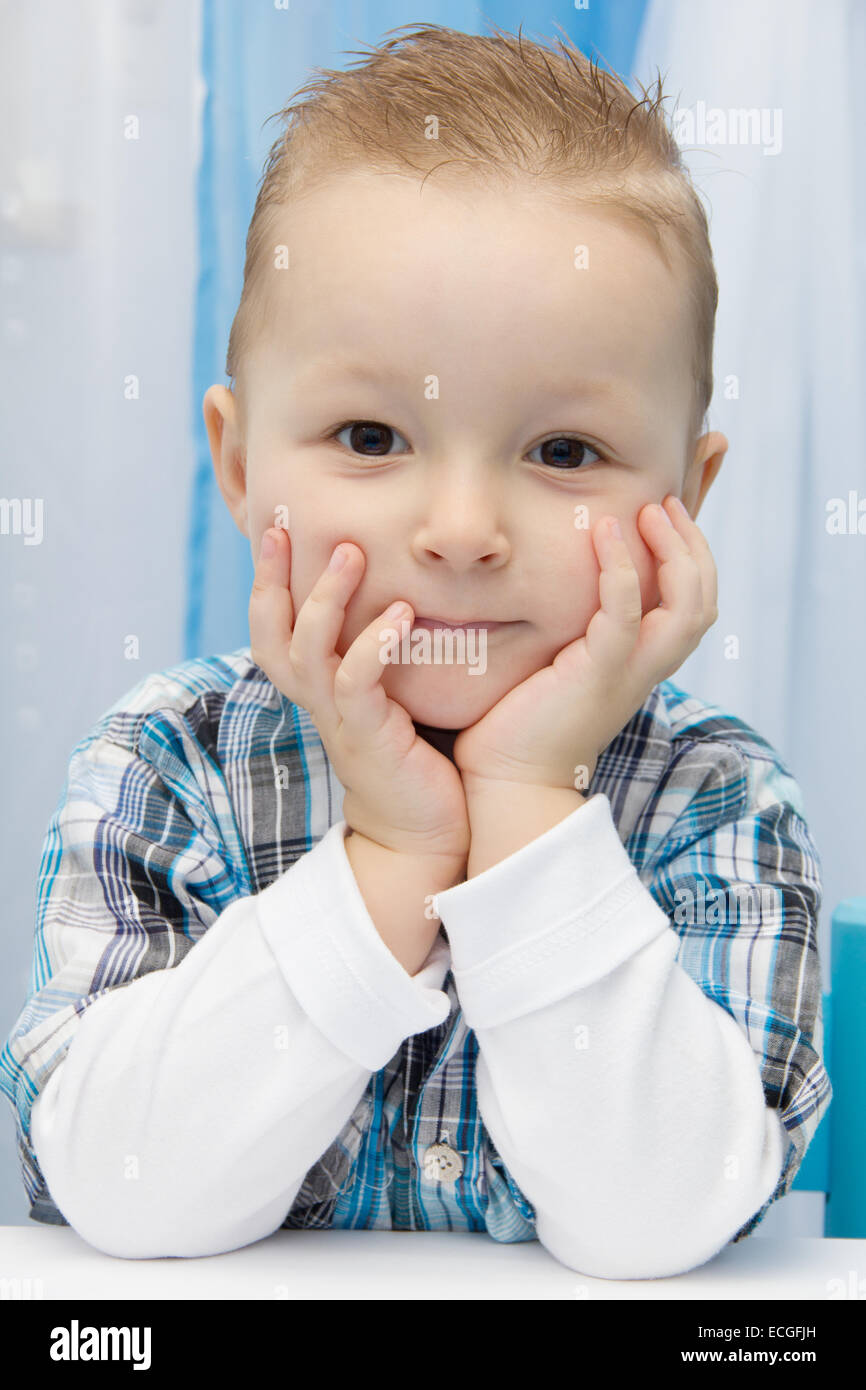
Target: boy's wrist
505, 816
397, 889
441, 864
478, 787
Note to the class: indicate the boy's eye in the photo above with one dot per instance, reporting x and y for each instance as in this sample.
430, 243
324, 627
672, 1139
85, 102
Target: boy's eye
368, 437
372, 439
566, 451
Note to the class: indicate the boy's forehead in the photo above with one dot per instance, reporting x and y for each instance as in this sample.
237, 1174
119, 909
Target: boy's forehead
521, 240
380, 267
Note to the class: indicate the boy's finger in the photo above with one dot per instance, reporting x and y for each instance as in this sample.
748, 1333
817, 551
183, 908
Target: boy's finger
670, 633
358, 692
700, 548
318, 625
613, 631
271, 612
680, 581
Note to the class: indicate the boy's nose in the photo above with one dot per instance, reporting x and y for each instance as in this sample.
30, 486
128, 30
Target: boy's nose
462, 543
463, 523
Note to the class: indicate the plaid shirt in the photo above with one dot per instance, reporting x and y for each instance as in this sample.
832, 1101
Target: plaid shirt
189, 769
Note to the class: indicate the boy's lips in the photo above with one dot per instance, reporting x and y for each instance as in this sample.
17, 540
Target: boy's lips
487, 623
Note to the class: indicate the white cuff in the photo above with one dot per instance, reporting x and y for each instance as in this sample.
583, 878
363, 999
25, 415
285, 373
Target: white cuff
316, 922
560, 913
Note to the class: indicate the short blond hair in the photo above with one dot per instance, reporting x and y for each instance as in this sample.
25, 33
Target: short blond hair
506, 108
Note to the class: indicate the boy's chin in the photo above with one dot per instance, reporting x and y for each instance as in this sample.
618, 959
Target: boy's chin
443, 698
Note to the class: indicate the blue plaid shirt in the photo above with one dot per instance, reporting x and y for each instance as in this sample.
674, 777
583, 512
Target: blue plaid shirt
208, 761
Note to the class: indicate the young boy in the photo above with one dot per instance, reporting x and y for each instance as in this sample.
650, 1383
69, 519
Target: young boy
334, 935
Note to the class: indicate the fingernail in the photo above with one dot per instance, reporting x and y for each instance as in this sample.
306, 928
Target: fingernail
678, 502
616, 529
395, 610
269, 546
664, 513
338, 559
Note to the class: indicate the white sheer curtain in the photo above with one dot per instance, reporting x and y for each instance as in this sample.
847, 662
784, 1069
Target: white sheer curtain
787, 233
97, 273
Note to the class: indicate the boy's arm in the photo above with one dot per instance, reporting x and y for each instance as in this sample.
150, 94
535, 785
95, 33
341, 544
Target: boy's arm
203, 1059
396, 889
621, 1061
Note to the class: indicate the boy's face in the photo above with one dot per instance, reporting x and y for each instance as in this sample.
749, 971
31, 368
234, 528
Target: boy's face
481, 345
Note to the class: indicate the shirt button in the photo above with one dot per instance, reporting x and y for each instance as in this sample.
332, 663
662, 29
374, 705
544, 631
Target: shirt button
442, 1164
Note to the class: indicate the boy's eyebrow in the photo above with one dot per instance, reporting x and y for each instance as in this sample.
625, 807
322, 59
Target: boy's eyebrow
332, 367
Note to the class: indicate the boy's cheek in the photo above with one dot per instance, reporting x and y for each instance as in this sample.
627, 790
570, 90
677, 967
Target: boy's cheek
585, 578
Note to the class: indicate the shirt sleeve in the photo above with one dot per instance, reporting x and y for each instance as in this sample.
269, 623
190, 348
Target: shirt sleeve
181, 1063
650, 1078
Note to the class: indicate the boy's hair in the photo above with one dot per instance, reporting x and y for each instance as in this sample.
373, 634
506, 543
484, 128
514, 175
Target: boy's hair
506, 108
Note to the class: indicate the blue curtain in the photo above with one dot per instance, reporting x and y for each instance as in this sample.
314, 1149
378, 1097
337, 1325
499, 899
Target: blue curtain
253, 58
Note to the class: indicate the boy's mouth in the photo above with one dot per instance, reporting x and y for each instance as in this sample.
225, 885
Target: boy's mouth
431, 624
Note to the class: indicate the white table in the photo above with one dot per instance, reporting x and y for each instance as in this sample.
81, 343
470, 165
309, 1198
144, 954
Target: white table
414, 1265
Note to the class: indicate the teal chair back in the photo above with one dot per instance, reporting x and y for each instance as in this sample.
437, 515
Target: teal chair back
835, 1161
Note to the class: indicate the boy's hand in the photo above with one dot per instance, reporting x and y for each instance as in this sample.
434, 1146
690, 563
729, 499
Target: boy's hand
562, 717
400, 793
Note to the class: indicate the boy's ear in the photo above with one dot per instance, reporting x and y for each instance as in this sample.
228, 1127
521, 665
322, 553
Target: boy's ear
701, 473
227, 451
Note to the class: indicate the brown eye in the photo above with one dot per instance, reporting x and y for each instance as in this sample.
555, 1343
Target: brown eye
566, 452
369, 438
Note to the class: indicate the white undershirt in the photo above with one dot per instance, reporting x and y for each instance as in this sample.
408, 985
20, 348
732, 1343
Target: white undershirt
626, 1104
